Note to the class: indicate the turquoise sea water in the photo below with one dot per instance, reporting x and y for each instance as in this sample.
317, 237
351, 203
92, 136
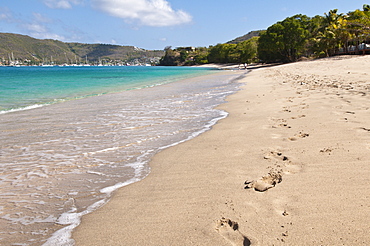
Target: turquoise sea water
27, 87
61, 158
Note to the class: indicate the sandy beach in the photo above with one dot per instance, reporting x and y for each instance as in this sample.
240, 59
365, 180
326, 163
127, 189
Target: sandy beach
288, 166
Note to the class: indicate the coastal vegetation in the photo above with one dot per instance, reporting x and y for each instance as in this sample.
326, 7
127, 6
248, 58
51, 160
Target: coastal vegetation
294, 38
240, 50
184, 56
320, 36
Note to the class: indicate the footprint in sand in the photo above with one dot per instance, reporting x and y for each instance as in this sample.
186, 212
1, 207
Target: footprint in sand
286, 110
327, 150
284, 125
230, 231
276, 155
299, 135
280, 205
280, 123
298, 117
284, 163
265, 182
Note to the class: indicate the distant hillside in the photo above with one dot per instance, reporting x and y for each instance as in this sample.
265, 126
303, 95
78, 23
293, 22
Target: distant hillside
245, 37
112, 52
24, 48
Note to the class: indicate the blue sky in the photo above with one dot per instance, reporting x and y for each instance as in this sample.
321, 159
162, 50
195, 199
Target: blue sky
154, 24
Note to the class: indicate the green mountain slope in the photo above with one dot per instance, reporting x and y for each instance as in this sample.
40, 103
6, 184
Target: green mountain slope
24, 48
245, 37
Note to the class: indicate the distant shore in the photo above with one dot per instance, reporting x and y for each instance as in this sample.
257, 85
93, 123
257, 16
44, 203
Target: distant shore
288, 166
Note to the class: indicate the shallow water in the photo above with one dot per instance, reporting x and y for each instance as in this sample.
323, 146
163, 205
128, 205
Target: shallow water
30, 87
62, 161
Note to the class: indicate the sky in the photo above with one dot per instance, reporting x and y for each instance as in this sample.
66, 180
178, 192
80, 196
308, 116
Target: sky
154, 24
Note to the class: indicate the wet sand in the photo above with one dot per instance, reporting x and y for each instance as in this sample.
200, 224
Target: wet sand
288, 166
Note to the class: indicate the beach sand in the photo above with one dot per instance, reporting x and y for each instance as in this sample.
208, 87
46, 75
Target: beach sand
289, 166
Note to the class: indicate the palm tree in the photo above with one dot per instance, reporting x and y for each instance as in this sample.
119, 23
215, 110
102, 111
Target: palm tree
366, 7
335, 28
359, 25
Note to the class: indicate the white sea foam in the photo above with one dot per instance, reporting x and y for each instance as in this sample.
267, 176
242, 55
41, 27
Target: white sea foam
110, 189
22, 109
62, 237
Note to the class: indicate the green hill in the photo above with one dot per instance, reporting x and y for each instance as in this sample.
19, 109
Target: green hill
34, 51
245, 37
112, 52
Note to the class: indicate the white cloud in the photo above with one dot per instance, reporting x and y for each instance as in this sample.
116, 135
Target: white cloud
35, 28
5, 15
39, 30
146, 12
41, 18
61, 4
38, 27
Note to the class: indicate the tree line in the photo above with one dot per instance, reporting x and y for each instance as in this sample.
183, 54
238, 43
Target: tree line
287, 41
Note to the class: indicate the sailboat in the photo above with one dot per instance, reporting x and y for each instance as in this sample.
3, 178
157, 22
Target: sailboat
45, 64
13, 62
87, 63
67, 62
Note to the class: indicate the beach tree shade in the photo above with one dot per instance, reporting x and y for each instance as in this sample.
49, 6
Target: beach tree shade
319, 36
247, 50
359, 24
243, 52
315, 30
284, 41
201, 57
222, 53
331, 35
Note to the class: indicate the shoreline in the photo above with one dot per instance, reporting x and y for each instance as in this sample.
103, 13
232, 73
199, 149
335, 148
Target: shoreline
60, 161
297, 136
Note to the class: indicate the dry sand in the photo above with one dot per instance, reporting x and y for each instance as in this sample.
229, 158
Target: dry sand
297, 137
